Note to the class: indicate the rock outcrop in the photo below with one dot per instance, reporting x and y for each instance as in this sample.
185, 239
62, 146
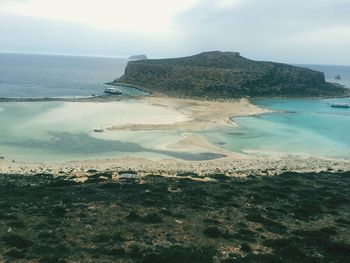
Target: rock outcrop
226, 75
138, 57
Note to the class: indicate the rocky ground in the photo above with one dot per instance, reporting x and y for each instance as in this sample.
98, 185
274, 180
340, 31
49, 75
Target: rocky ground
128, 218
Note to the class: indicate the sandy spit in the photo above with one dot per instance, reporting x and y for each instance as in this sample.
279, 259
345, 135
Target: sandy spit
201, 114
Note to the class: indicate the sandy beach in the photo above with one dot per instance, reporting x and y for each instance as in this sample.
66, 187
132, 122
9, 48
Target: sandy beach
200, 114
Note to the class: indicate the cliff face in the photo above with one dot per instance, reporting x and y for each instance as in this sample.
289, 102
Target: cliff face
226, 75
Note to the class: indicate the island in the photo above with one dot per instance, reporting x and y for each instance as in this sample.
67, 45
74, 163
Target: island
138, 57
226, 75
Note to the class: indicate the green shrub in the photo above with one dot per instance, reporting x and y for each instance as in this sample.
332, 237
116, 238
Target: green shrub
14, 240
180, 254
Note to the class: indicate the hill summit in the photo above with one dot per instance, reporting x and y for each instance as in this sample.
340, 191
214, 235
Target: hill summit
138, 57
226, 75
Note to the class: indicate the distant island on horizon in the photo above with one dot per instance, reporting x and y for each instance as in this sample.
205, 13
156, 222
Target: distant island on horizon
219, 74
138, 57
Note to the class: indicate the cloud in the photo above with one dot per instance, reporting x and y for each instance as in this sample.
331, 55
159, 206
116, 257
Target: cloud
131, 15
36, 35
227, 3
298, 31
337, 35
287, 31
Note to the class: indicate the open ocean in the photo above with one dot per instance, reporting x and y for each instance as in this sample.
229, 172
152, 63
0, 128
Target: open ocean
301, 127
23, 75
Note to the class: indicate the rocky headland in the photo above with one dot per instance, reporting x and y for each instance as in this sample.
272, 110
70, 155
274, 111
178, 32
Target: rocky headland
224, 75
138, 57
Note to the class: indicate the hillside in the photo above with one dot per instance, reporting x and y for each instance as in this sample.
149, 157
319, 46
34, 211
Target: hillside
166, 219
226, 75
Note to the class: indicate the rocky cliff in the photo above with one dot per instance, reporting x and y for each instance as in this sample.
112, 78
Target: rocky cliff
138, 57
226, 75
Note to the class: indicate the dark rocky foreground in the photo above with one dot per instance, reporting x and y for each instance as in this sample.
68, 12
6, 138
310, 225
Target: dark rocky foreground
226, 75
286, 218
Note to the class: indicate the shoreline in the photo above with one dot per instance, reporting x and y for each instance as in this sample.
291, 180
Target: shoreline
200, 114
229, 166
195, 116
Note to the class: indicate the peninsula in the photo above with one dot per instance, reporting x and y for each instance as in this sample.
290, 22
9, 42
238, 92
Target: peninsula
226, 75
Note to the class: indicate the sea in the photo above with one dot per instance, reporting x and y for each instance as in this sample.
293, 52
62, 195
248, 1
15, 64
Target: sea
62, 131
33, 76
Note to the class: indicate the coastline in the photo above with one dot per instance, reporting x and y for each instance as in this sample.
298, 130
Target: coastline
200, 114
159, 94
185, 115
229, 166
235, 205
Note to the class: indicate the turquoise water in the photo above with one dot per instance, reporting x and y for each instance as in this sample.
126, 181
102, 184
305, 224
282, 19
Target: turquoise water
57, 131
301, 127
64, 131
298, 127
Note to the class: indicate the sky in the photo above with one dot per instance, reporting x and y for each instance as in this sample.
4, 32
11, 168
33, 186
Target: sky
292, 31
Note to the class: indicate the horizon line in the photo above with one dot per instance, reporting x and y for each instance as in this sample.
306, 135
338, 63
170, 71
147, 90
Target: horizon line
126, 57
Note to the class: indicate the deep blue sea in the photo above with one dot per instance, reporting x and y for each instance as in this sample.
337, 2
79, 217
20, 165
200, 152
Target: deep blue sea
24, 75
29, 132
333, 70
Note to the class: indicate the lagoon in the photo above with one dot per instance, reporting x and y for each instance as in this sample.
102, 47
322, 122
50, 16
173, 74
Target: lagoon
63, 131
299, 127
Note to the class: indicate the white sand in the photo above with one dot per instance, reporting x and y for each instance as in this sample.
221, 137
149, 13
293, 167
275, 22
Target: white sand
200, 114
109, 113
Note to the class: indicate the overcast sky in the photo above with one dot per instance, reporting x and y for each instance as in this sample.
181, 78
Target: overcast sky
294, 31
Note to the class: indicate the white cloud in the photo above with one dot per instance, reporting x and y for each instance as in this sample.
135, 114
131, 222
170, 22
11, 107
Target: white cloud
337, 35
312, 31
132, 15
227, 3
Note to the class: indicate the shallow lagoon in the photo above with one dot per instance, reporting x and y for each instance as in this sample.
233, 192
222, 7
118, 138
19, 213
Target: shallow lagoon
299, 127
64, 131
